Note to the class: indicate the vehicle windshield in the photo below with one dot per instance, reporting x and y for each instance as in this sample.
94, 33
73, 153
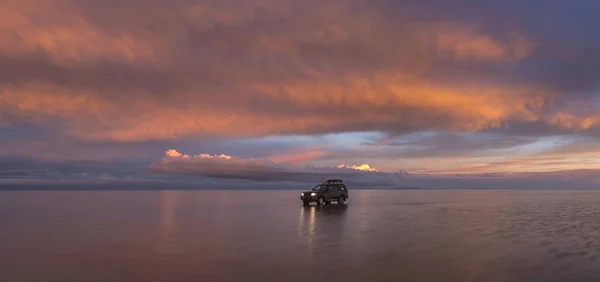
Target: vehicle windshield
318, 187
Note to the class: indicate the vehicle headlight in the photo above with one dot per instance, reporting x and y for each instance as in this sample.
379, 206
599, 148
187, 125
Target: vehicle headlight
313, 194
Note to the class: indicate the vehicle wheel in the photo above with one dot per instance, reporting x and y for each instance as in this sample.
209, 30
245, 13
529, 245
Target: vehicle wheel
306, 203
341, 200
320, 201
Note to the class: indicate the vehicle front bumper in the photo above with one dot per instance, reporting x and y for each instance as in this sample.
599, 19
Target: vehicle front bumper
308, 198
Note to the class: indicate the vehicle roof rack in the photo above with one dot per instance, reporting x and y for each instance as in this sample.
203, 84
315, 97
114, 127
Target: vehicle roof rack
334, 181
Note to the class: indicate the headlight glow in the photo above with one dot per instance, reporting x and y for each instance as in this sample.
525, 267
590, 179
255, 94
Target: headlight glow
313, 194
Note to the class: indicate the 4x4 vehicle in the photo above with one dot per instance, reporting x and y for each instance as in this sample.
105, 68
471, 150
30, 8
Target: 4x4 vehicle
330, 190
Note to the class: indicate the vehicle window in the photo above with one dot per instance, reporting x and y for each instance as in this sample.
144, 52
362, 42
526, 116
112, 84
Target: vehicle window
336, 188
343, 187
318, 188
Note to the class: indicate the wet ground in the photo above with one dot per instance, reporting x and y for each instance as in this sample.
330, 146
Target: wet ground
268, 236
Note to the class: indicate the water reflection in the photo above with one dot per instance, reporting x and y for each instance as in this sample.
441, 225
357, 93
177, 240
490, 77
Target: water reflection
223, 236
321, 228
169, 200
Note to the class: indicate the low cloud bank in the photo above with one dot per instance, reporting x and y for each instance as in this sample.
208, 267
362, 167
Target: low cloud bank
264, 170
179, 171
363, 176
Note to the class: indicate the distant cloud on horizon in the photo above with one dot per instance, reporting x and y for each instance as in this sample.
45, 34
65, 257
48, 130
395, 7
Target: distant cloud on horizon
204, 171
229, 167
262, 170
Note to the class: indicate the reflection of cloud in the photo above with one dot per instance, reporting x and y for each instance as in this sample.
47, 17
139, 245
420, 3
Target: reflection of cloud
566, 179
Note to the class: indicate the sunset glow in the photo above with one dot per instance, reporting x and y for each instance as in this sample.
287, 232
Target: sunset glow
363, 167
287, 86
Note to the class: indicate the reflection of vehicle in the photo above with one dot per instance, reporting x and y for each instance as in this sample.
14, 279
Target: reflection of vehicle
330, 190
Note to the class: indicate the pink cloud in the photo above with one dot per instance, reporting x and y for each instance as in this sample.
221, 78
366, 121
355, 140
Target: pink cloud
105, 80
299, 156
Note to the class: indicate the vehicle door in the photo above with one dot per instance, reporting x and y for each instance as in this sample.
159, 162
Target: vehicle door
329, 192
336, 191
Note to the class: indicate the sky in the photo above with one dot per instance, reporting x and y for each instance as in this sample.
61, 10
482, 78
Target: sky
273, 93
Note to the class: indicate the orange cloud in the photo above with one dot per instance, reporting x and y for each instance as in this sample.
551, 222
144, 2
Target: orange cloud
223, 68
546, 162
62, 31
298, 156
573, 122
363, 167
466, 42
335, 107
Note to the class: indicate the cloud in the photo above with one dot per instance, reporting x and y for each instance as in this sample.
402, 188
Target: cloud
467, 43
256, 68
363, 167
299, 155
205, 171
229, 167
444, 144
493, 83
26, 173
361, 177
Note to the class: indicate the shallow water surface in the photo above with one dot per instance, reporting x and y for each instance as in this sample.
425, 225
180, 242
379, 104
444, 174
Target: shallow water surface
268, 236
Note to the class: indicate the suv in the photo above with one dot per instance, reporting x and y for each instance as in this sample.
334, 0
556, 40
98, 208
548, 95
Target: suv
330, 190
